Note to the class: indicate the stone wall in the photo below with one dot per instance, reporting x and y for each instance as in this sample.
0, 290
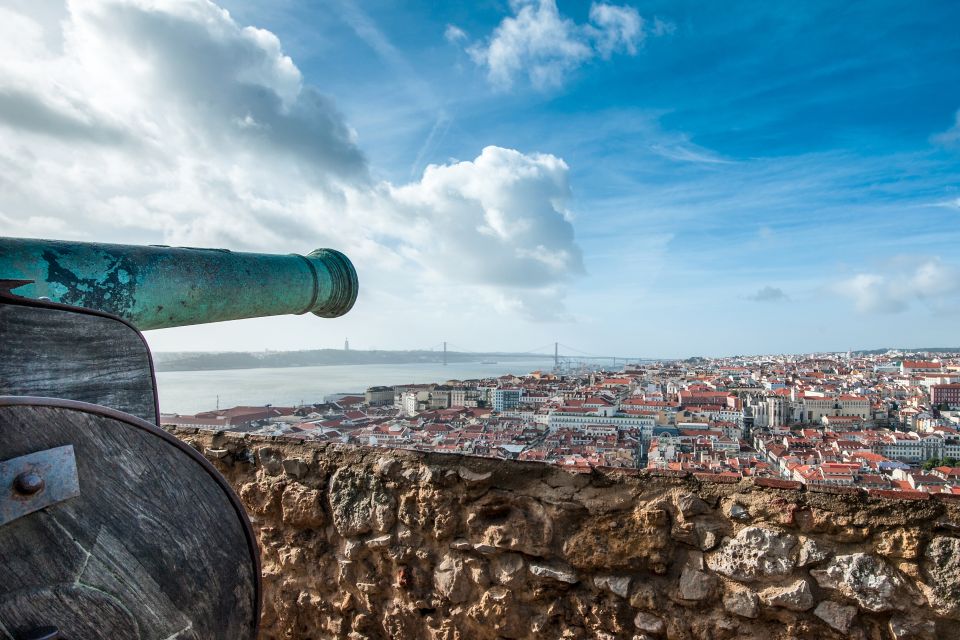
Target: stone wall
372, 543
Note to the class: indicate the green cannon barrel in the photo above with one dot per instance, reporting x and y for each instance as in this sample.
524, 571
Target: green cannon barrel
155, 287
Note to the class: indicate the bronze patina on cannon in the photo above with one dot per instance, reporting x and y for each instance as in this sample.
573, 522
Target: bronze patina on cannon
110, 528
158, 287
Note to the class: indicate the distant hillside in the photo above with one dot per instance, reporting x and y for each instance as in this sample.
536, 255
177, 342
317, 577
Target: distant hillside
210, 361
877, 352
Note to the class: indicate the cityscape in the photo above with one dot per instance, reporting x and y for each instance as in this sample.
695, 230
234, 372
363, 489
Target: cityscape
272, 275
887, 421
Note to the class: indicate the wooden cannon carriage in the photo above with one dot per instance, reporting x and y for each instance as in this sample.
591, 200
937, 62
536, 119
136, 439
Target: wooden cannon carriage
110, 528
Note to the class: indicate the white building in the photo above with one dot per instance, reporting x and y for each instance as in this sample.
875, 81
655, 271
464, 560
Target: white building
580, 421
914, 448
815, 407
504, 399
408, 402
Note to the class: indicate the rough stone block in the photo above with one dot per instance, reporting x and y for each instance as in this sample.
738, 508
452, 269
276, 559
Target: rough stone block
900, 543
742, 602
866, 579
270, 460
695, 585
941, 567
507, 569
451, 580
360, 502
690, 505
619, 585
755, 552
301, 507
649, 623
795, 597
473, 476
554, 571
637, 540
903, 628
295, 468
511, 522
811, 552
838, 616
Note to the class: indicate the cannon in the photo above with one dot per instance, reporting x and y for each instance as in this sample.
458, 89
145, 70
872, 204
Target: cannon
110, 528
157, 287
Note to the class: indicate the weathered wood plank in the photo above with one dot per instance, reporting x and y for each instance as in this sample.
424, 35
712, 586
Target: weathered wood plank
88, 613
155, 529
57, 352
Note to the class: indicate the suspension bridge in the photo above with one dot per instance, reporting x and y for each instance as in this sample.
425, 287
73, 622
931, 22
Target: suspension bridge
568, 357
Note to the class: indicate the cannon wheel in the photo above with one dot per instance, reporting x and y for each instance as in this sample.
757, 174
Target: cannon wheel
112, 529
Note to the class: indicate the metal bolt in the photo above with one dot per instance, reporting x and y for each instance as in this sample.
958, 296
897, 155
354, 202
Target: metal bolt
28, 483
42, 633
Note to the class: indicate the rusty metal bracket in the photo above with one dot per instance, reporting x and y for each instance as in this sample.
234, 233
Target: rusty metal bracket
36, 481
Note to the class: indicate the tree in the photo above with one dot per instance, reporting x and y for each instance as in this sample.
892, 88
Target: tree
933, 463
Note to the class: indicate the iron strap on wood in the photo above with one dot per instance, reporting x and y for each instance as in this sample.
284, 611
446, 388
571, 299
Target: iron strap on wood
36, 481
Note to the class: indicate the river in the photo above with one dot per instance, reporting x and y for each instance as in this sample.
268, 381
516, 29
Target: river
188, 392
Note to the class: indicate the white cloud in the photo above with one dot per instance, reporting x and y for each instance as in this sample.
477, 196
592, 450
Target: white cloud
454, 34
537, 41
682, 150
169, 122
499, 219
950, 137
545, 46
617, 28
903, 283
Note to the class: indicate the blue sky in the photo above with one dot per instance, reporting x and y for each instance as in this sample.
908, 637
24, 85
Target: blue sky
742, 177
760, 144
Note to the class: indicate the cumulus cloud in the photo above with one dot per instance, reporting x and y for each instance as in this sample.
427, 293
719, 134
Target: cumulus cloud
498, 219
768, 294
22, 109
903, 283
168, 121
537, 41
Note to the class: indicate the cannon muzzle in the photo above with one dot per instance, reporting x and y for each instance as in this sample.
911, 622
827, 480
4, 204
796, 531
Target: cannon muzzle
156, 287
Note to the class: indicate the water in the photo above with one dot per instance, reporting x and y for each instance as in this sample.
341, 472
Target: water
194, 391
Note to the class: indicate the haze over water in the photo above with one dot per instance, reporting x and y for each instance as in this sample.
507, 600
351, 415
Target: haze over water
193, 391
